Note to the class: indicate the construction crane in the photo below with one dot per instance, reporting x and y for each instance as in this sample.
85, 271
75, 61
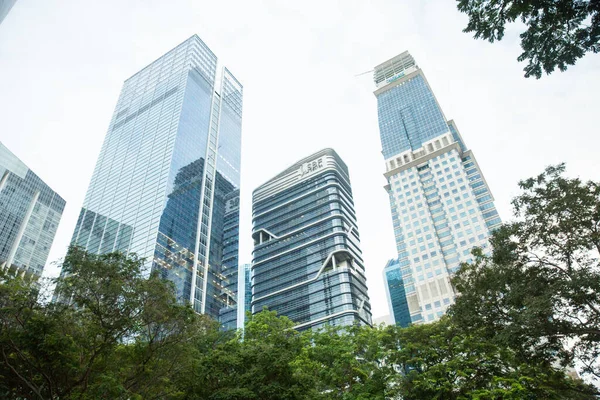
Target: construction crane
362, 73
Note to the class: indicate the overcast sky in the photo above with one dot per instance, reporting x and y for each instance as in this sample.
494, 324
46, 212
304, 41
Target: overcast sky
62, 64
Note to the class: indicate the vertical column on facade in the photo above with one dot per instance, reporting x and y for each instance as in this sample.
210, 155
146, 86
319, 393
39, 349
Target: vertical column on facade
15, 245
4, 179
2, 184
208, 182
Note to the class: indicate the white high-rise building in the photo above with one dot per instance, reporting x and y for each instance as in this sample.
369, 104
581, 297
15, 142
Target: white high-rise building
441, 204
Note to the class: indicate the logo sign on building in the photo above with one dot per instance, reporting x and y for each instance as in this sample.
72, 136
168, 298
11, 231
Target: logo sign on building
311, 166
232, 204
395, 77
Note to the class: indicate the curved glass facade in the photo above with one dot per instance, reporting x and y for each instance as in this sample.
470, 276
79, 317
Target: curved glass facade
307, 263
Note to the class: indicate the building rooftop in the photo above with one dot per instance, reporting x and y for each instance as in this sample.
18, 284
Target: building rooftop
298, 164
394, 68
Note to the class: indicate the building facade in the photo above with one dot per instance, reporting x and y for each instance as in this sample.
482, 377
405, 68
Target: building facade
307, 263
166, 183
384, 319
29, 215
233, 315
441, 204
244, 293
396, 293
5, 6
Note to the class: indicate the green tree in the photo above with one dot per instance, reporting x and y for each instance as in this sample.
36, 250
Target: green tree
559, 32
256, 364
118, 336
348, 363
538, 292
441, 361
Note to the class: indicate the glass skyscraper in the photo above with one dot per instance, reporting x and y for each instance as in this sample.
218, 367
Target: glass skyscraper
29, 215
5, 6
233, 316
244, 293
441, 204
166, 183
307, 263
396, 293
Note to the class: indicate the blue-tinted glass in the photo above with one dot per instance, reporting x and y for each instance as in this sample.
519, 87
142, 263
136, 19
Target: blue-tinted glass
408, 116
427, 163
29, 215
397, 293
166, 184
307, 261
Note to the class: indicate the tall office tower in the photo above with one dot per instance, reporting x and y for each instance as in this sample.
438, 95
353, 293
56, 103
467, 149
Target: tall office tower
5, 6
166, 183
244, 293
234, 315
441, 205
307, 263
396, 293
29, 215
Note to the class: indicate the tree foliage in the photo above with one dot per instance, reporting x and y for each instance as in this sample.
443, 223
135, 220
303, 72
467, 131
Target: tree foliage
348, 363
538, 292
114, 334
559, 32
257, 365
442, 361
118, 336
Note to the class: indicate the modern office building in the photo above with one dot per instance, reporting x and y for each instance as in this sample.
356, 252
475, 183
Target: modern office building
441, 204
396, 293
5, 6
29, 215
244, 293
166, 183
307, 263
233, 315
384, 319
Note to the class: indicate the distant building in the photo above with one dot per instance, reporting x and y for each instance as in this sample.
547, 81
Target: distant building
384, 319
441, 204
233, 316
29, 215
244, 293
5, 6
396, 294
307, 263
166, 183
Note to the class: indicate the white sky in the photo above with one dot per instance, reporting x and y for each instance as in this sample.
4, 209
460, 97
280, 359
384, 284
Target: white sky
62, 64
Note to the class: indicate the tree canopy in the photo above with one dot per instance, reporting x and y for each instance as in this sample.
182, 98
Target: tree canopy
539, 290
557, 34
119, 335
524, 312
